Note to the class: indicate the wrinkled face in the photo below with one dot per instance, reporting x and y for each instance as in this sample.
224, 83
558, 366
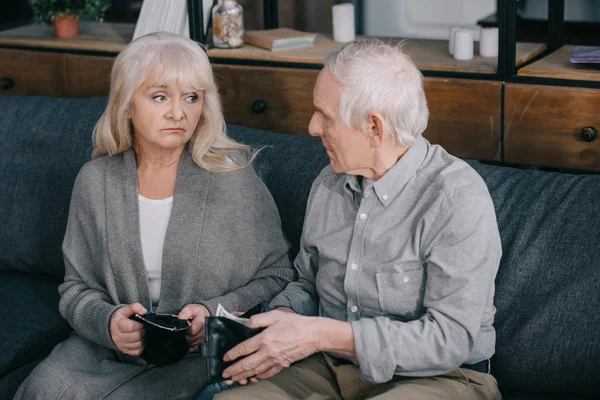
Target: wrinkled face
165, 116
348, 148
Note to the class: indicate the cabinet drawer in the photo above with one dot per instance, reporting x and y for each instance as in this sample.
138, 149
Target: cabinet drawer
465, 117
31, 73
544, 124
464, 114
88, 76
275, 99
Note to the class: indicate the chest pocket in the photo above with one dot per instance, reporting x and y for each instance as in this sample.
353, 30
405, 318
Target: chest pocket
401, 291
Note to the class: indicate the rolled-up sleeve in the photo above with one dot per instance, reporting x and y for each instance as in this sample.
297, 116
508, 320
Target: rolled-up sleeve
301, 295
462, 252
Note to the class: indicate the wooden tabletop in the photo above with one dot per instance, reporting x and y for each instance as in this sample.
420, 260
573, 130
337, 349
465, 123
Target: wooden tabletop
557, 65
430, 55
93, 36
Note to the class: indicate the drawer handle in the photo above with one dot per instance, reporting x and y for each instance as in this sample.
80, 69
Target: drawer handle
259, 106
6, 83
589, 133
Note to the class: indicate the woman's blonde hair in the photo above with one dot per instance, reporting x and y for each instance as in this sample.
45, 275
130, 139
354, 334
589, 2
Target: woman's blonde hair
166, 58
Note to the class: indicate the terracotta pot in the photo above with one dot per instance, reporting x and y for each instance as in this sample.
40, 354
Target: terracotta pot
66, 26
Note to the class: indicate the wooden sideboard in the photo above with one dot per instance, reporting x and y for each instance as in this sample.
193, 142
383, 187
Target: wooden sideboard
475, 118
465, 114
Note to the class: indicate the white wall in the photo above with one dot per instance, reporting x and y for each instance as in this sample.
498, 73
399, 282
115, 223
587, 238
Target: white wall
432, 18
575, 10
423, 18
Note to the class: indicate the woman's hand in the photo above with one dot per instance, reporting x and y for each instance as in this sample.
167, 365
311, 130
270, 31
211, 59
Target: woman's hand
127, 334
195, 335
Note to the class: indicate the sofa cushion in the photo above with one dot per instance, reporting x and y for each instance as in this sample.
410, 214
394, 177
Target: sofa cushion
31, 325
288, 164
11, 382
44, 143
547, 287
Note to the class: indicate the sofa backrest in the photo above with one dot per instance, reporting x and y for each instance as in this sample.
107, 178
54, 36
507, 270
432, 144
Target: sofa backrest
548, 285
288, 164
44, 142
547, 288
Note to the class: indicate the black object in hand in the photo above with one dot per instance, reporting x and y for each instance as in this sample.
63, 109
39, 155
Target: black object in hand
223, 334
164, 338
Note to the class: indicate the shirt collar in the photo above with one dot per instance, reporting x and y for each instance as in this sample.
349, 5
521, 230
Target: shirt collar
351, 184
394, 180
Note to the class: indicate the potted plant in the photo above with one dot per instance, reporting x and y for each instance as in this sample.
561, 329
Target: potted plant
64, 14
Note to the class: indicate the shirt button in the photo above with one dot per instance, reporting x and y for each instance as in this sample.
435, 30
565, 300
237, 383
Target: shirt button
363, 216
354, 309
385, 196
354, 266
405, 279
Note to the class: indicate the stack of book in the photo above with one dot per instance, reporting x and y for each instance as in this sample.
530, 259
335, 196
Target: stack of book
585, 55
280, 39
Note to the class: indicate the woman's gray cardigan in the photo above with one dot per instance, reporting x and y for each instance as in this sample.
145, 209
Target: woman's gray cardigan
224, 244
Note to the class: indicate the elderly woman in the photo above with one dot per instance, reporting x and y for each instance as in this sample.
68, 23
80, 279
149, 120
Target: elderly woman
168, 217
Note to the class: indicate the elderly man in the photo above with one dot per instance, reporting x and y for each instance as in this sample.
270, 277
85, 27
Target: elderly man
398, 257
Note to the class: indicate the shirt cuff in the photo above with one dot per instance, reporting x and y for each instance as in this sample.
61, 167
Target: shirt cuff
374, 352
302, 307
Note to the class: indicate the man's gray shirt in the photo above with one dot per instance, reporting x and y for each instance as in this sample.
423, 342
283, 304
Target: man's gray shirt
409, 260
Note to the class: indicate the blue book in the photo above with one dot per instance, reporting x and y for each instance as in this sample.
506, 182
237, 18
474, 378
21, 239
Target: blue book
585, 55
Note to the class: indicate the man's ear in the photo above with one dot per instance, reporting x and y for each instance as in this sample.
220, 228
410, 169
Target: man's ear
375, 130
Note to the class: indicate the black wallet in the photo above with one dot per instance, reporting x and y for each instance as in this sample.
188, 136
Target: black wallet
223, 334
164, 338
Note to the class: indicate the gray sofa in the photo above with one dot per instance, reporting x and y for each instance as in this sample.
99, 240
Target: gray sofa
547, 288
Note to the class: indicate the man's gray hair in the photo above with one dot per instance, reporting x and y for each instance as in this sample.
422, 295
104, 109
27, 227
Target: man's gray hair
375, 77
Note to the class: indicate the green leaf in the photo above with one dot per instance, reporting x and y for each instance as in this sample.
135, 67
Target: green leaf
47, 10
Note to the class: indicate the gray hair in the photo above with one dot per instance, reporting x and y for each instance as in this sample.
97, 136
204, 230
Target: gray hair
165, 57
375, 77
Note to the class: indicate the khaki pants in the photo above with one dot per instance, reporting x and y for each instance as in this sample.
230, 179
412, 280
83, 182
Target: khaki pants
322, 377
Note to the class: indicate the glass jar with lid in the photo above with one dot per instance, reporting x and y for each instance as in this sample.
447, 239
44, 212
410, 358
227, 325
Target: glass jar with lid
228, 24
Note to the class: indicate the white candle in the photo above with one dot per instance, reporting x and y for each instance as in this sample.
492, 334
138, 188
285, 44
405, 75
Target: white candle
488, 42
463, 44
453, 30
343, 22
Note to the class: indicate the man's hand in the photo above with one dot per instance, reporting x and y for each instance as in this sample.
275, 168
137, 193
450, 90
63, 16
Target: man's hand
289, 337
286, 309
128, 335
195, 335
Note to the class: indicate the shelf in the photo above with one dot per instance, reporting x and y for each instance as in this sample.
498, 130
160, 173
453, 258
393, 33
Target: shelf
558, 66
429, 55
93, 36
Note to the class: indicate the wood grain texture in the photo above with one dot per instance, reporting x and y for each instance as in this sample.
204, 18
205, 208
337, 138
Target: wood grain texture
93, 36
431, 55
465, 114
34, 73
286, 91
558, 66
543, 126
88, 76
465, 117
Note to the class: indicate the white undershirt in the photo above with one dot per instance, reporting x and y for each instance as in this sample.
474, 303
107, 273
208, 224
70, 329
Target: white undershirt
154, 219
